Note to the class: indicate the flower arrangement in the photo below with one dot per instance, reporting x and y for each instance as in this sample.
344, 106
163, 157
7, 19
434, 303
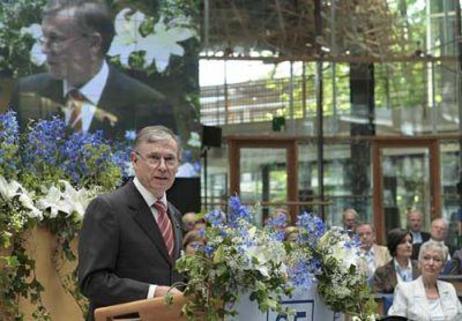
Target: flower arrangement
239, 257
47, 178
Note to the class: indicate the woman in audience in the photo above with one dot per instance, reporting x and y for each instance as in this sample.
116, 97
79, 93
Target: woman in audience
192, 241
427, 298
400, 268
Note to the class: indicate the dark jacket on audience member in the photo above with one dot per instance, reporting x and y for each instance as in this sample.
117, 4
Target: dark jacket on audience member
384, 280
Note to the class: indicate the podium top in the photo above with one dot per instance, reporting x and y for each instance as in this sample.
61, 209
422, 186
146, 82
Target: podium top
155, 309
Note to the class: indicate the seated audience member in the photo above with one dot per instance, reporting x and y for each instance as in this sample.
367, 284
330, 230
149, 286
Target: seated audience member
189, 221
191, 241
414, 219
200, 224
455, 264
375, 255
427, 298
438, 234
349, 219
291, 234
401, 268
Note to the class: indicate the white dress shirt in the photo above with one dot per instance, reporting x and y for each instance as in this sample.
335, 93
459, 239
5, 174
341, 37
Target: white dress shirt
150, 201
92, 92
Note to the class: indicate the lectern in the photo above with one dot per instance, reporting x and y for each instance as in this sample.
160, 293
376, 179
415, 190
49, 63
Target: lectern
148, 310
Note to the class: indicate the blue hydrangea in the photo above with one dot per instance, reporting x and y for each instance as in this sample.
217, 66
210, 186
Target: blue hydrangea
9, 128
300, 274
237, 211
77, 151
311, 227
214, 217
43, 144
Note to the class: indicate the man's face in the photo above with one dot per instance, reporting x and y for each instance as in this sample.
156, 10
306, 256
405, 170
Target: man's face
415, 221
439, 230
70, 53
156, 164
366, 235
349, 221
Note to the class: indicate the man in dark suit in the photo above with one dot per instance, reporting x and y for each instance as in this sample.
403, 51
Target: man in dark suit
77, 34
128, 242
414, 219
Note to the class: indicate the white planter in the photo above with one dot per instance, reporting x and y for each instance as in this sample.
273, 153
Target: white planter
307, 304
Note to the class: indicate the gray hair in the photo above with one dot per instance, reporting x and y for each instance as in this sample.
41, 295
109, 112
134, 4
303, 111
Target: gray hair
90, 15
155, 134
434, 246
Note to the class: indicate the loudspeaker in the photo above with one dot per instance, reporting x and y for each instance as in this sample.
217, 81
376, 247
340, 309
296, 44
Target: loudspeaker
211, 136
185, 194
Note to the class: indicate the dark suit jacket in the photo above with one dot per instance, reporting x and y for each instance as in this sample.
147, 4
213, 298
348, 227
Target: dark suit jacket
121, 249
135, 104
384, 280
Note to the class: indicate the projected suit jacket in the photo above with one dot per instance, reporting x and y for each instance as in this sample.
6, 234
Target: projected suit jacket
134, 104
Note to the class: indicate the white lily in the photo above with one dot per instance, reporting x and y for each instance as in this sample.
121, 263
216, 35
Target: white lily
28, 203
127, 35
77, 200
9, 190
36, 53
53, 202
163, 43
158, 47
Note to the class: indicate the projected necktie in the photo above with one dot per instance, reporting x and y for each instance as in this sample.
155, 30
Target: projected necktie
165, 226
75, 102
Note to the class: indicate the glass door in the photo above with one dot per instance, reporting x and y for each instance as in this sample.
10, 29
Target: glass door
260, 170
406, 176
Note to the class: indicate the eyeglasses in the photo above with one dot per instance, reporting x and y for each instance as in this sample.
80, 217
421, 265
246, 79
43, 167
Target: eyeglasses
155, 160
57, 42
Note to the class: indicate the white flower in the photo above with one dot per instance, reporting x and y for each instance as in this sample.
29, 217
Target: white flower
158, 47
36, 54
9, 190
164, 40
194, 140
77, 200
128, 34
28, 203
52, 202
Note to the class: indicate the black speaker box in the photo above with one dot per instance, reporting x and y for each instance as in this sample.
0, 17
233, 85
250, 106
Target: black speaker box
185, 194
211, 136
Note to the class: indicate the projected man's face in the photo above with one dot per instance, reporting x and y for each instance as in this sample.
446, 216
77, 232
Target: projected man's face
70, 53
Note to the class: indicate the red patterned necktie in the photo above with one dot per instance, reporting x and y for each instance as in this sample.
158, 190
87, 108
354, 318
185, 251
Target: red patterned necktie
75, 101
165, 226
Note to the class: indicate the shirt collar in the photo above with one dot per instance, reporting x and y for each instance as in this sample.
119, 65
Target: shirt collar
399, 268
147, 195
93, 89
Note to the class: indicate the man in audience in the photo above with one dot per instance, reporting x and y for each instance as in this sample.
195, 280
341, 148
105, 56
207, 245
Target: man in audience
80, 85
131, 238
438, 234
349, 219
189, 221
414, 218
375, 255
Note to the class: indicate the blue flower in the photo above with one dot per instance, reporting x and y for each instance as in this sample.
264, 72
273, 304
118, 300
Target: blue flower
43, 144
311, 227
237, 211
130, 135
214, 217
9, 129
85, 155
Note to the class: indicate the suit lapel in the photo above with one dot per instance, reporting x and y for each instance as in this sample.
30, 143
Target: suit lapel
144, 218
176, 229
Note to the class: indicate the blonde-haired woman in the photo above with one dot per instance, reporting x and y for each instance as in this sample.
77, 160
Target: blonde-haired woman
427, 298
